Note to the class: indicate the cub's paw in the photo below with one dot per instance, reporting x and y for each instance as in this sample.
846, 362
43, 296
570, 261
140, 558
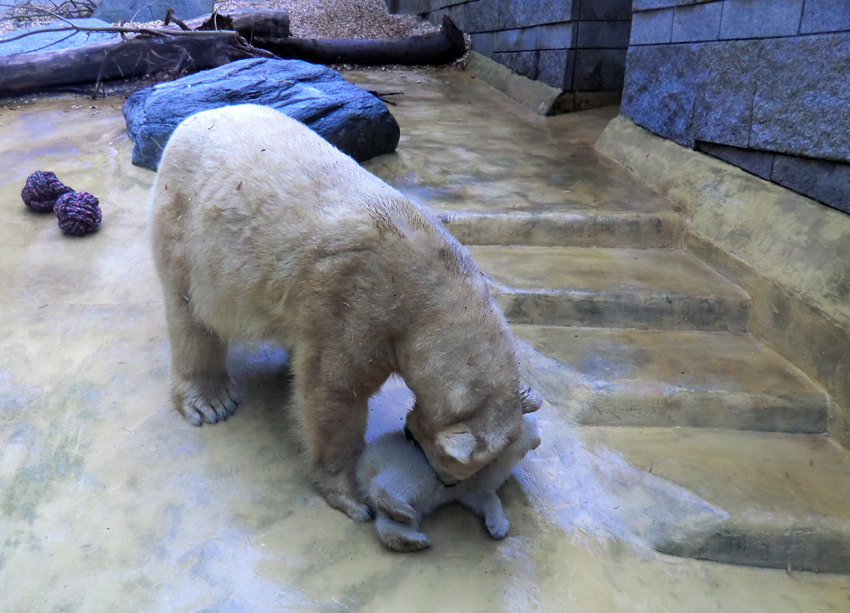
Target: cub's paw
398, 510
406, 543
498, 527
360, 513
400, 537
208, 402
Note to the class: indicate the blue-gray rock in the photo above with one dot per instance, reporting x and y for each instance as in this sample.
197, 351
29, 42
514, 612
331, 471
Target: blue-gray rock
348, 117
51, 41
150, 10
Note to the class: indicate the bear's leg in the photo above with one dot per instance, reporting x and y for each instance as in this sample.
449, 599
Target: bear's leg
200, 386
334, 424
487, 504
400, 537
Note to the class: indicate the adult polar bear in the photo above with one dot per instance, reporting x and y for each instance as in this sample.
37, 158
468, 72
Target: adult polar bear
264, 231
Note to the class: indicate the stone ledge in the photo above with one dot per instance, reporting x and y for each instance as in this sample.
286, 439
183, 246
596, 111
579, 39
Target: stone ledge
535, 95
785, 495
824, 180
541, 98
680, 379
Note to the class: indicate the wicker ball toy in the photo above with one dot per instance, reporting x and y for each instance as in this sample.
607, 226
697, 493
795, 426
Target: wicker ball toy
41, 191
78, 213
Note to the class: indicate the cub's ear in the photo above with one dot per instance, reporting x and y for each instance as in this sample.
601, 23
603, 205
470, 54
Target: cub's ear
531, 400
458, 445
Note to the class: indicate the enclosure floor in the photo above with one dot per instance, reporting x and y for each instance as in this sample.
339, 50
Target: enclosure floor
109, 501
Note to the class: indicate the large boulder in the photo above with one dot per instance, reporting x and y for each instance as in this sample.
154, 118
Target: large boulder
348, 117
150, 10
41, 40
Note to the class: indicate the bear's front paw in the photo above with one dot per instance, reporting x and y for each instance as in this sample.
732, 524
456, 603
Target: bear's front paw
209, 402
498, 527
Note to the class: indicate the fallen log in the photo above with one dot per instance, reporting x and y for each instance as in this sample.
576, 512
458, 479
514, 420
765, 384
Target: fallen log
250, 23
176, 51
135, 57
437, 48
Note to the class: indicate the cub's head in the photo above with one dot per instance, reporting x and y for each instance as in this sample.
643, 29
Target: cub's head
460, 449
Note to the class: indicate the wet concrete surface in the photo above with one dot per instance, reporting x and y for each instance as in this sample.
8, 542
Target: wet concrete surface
109, 501
680, 378
457, 157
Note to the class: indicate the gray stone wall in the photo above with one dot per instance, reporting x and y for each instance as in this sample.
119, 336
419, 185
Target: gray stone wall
762, 84
573, 45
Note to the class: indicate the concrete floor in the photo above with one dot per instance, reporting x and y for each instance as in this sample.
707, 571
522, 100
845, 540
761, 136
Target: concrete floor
110, 501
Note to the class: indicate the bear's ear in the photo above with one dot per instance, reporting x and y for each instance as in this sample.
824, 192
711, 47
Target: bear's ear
531, 400
458, 445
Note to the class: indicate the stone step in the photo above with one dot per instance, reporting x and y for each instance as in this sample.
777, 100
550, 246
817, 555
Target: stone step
624, 288
567, 228
662, 378
786, 497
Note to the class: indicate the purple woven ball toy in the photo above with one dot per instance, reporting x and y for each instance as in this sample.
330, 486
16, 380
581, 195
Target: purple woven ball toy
41, 191
78, 213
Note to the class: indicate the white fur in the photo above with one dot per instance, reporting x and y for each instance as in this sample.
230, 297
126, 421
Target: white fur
399, 484
262, 230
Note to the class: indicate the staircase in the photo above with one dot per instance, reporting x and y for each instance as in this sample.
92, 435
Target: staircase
681, 389
651, 349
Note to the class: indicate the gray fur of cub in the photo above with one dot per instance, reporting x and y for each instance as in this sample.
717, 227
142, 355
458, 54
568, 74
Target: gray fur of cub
401, 487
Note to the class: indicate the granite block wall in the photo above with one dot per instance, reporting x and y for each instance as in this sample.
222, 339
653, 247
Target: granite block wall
573, 45
762, 84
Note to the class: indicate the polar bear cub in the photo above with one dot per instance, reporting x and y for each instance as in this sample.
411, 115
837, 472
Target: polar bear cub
395, 478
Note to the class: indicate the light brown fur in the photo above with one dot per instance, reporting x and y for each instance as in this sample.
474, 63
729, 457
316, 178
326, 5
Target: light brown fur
264, 231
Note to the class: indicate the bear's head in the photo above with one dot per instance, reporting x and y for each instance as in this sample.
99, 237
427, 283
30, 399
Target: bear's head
458, 450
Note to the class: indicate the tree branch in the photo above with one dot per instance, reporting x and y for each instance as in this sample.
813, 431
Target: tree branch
121, 30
